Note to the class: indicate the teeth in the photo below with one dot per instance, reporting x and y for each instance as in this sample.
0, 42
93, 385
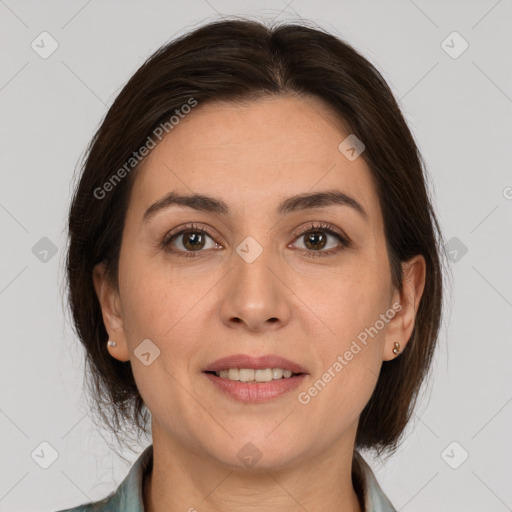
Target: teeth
251, 375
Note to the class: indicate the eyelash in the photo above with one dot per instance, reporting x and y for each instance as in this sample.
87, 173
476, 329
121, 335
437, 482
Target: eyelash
312, 227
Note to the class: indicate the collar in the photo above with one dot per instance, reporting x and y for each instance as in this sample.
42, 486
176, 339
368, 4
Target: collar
372, 494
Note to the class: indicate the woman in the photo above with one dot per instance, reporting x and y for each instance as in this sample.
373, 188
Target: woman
255, 272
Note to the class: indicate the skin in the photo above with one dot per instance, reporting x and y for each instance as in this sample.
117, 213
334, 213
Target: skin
309, 310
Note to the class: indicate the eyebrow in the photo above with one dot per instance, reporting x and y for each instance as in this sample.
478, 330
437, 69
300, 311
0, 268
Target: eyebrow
291, 204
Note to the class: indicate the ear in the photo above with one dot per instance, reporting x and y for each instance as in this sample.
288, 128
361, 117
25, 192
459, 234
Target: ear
108, 297
405, 302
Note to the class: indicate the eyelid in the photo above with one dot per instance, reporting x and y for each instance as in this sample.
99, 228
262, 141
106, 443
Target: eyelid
323, 226
179, 230
311, 226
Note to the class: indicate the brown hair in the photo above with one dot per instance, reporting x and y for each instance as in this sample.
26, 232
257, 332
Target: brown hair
242, 60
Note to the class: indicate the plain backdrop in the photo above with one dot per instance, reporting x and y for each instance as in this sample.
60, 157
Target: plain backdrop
448, 63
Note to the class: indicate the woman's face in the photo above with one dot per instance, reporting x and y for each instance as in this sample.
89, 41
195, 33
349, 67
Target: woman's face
257, 278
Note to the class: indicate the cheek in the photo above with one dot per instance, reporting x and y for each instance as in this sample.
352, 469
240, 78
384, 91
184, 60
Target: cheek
166, 305
354, 386
158, 296
345, 302
350, 363
350, 342
158, 309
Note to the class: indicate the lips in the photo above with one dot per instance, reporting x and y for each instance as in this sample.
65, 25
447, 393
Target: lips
256, 363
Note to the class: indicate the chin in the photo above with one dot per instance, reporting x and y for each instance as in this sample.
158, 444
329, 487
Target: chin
256, 453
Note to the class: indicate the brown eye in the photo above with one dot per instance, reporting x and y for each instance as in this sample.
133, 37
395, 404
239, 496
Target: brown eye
322, 236
193, 240
189, 241
315, 240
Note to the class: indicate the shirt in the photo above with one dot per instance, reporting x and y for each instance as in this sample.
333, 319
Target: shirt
128, 496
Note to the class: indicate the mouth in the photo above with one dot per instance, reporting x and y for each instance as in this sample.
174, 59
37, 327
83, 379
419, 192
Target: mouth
245, 368
254, 375
255, 380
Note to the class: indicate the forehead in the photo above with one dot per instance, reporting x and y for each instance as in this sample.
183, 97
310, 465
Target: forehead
254, 155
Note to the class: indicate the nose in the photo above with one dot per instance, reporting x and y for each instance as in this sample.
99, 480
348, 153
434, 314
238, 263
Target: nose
256, 297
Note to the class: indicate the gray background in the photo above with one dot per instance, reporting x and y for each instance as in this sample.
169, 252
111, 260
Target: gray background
460, 111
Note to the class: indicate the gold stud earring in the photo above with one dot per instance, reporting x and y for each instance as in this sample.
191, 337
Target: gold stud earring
397, 348
112, 343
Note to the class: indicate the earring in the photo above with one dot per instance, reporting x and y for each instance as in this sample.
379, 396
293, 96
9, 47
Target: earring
397, 348
112, 343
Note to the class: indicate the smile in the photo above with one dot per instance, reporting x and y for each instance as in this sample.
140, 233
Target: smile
252, 375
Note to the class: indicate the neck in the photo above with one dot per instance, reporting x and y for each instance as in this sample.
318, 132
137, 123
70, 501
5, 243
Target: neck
185, 480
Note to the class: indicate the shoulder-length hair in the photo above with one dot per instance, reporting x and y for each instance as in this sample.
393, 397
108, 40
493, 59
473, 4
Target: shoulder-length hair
242, 60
